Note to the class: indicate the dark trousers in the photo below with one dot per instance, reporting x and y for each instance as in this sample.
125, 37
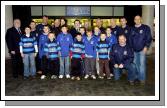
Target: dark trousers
38, 63
17, 64
53, 67
76, 67
90, 66
104, 66
44, 65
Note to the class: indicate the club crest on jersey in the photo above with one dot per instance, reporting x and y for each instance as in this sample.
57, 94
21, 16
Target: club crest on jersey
68, 39
91, 42
125, 52
115, 51
141, 31
115, 32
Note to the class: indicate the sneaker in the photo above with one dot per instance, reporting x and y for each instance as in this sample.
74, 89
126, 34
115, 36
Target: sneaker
43, 77
53, 77
60, 76
67, 76
111, 75
78, 78
25, 77
86, 76
100, 77
108, 78
72, 78
93, 76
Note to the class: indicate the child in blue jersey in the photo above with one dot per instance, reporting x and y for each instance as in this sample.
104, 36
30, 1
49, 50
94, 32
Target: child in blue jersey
52, 51
42, 40
97, 32
103, 51
65, 41
111, 38
28, 50
90, 55
77, 53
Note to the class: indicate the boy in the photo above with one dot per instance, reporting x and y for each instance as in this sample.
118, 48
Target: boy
65, 41
52, 53
90, 54
42, 40
77, 53
82, 31
103, 50
28, 50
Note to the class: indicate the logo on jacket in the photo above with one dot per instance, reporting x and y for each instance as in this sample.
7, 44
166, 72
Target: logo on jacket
126, 31
141, 31
115, 51
91, 42
68, 39
125, 52
115, 32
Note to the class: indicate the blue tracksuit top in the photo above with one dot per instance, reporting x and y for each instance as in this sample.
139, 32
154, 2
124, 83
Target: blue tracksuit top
126, 31
111, 40
28, 44
116, 31
77, 49
122, 54
140, 37
90, 47
42, 40
103, 49
51, 49
65, 41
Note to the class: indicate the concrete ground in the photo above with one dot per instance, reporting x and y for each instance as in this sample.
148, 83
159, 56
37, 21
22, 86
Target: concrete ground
67, 87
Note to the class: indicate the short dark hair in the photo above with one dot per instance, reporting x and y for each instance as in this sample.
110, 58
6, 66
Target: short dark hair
27, 27
108, 27
52, 33
89, 30
77, 20
103, 32
83, 28
77, 34
122, 35
64, 26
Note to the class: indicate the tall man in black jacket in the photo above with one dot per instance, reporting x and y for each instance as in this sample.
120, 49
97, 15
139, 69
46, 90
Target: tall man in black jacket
13, 36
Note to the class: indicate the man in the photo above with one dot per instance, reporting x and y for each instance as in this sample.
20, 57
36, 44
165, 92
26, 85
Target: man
13, 36
99, 24
125, 29
39, 27
56, 28
122, 58
114, 28
75, 30
140, 40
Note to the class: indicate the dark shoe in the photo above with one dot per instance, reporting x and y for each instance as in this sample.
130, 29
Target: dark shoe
142, 83
25, 77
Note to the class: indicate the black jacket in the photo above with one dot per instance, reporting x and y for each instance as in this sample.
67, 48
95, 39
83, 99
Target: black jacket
13, 39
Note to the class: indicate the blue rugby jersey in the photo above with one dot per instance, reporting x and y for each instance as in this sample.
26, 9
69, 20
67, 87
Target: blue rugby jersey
77, 49
52, 49
103, 49
28, 44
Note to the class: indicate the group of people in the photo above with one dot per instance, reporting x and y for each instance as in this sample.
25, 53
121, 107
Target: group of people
97, 52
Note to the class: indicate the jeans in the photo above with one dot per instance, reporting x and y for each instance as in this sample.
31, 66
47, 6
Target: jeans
90, 66
131, 72
140, 61
29, 65
64, 65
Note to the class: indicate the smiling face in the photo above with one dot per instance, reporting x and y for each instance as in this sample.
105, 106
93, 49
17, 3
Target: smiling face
77, 24
113, 22
82, 30
17, 23
123, 21
27, 30
33, 25
51, 36
103, 37
46, 29
96, 30
89, 33
122, 40
45, 20
57, 22
108, 31
64, 30
79, 37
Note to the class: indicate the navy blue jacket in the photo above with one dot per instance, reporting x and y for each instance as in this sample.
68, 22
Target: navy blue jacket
39, 28
65, 41
122, 55
73, 32
52, 49
90, 47
28, 44
116, 31
140, 37
127, 32
111, 40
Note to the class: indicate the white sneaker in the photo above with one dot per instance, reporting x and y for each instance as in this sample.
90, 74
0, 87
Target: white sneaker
93, 76
86, 76
60, 76
67, 76
111, 75
43, 77
53, 77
